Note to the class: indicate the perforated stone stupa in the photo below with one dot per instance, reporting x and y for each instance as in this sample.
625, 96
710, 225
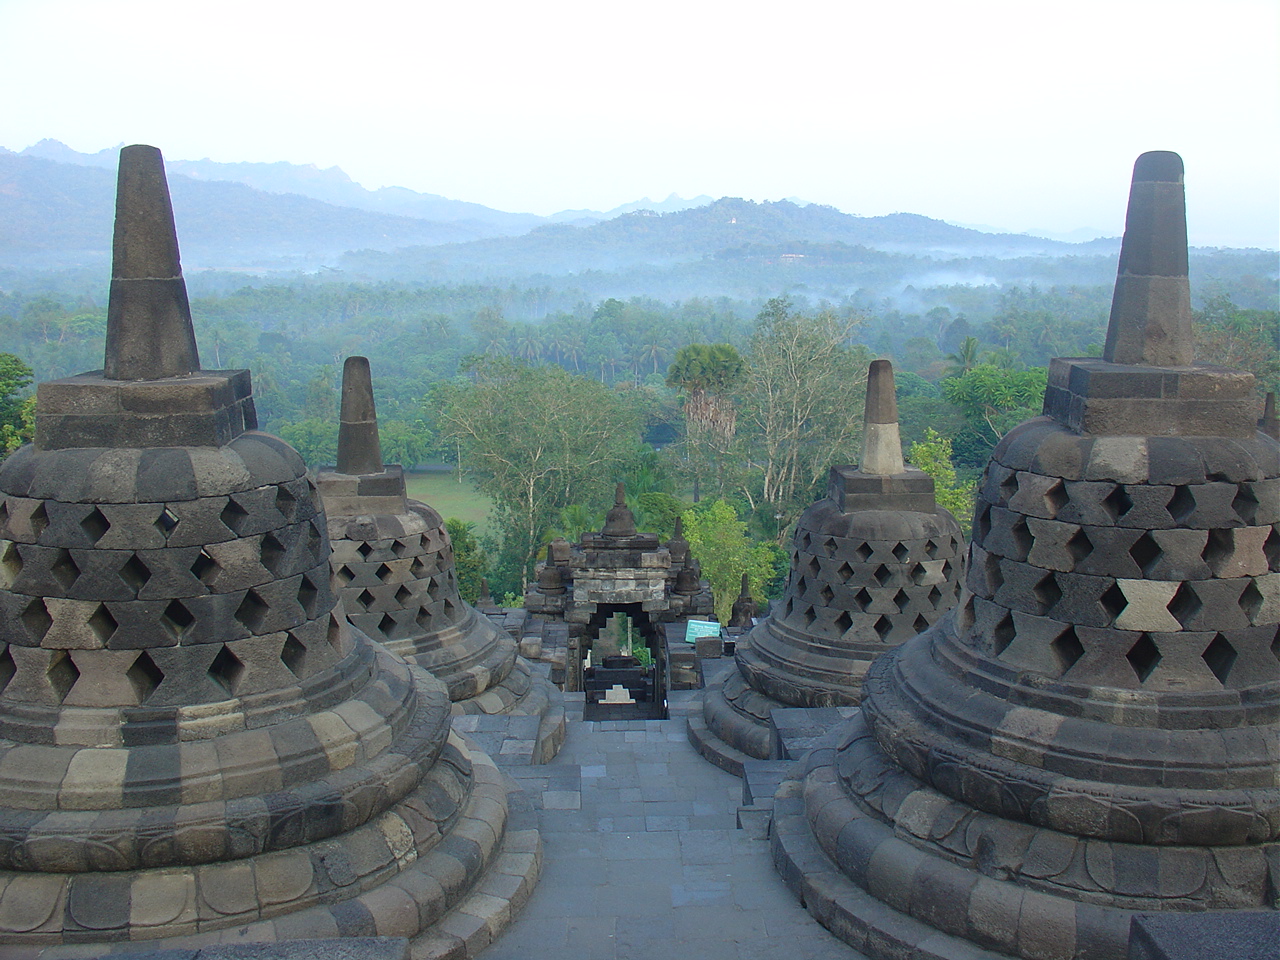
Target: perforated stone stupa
1094, 733
393, 561
195, 744
873, 563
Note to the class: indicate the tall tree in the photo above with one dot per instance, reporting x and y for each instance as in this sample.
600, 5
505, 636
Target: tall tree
706, 376
801, 404
538, 439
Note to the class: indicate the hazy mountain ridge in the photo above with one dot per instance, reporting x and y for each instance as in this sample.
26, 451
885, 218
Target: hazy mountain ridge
642, 238
57, 216
333, 185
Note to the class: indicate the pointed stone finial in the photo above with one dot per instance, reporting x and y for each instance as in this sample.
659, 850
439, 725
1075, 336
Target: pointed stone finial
149, 331
678, 546
744, 608
485, 598
1270, 424
620, 521
1151, 308
359, 449
881, 440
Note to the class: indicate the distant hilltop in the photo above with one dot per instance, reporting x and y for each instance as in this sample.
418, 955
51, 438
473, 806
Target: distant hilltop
55, 211
333, 185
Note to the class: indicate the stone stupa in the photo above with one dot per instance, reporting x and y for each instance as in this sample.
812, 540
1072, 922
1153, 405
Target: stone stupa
874, 563
393, 563
1094, 735
195, 744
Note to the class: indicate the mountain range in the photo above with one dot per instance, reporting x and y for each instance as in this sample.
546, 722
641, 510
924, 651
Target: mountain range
56, 208
333, 186
284, 219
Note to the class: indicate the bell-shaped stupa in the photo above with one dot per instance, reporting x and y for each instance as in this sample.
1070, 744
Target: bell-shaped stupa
1093, 734
873, 563
393, 564
195, 744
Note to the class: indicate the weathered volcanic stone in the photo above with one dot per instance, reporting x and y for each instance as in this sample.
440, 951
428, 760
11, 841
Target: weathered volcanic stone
195, 743
1094, 734
359, 446
393, 562
874, 563
149, 331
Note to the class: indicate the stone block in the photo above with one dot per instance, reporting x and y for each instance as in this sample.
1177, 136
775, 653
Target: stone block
1116, 400
1148, 508
1180, 555
709, 648
1147, 606
1110, 552
853, 491
194, 523
1213, 506
1087, 503
1239, 934
1122, 459
1056, 546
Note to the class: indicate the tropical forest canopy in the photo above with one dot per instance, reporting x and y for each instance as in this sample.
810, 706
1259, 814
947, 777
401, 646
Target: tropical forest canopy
713, 358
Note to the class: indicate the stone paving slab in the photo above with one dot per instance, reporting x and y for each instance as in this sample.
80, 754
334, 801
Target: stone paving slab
643, 858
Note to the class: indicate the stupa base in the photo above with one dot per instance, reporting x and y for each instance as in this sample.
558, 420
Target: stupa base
451, 901
523, 693
733, 727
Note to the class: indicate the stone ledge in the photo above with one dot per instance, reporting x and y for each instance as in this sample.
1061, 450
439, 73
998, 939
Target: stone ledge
845, 909
1112, 399
1239, 934
206, 409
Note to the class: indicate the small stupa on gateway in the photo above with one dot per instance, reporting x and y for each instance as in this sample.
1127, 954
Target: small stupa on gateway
195, 744
1094, 734
873, 563
393, 562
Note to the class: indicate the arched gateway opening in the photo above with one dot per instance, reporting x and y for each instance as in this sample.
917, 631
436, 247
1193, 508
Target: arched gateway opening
623, 673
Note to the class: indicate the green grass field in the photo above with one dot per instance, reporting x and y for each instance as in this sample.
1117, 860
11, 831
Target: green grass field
450, 498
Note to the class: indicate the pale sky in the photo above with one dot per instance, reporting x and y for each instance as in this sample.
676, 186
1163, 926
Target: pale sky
1022, 115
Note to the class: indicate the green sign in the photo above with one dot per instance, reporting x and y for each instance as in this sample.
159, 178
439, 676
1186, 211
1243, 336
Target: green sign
693, 629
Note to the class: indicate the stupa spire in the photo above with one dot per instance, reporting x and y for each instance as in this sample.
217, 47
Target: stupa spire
620, 521
881, 439
1151, 309
359, 447
149, 331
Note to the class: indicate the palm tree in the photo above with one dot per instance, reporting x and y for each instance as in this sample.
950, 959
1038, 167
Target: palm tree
966, 357
529, 344
655, 350
706, 373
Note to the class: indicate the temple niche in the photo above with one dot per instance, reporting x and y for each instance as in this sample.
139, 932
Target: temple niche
618, 571
1094, 734
873, 563
196, 746
393, 563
